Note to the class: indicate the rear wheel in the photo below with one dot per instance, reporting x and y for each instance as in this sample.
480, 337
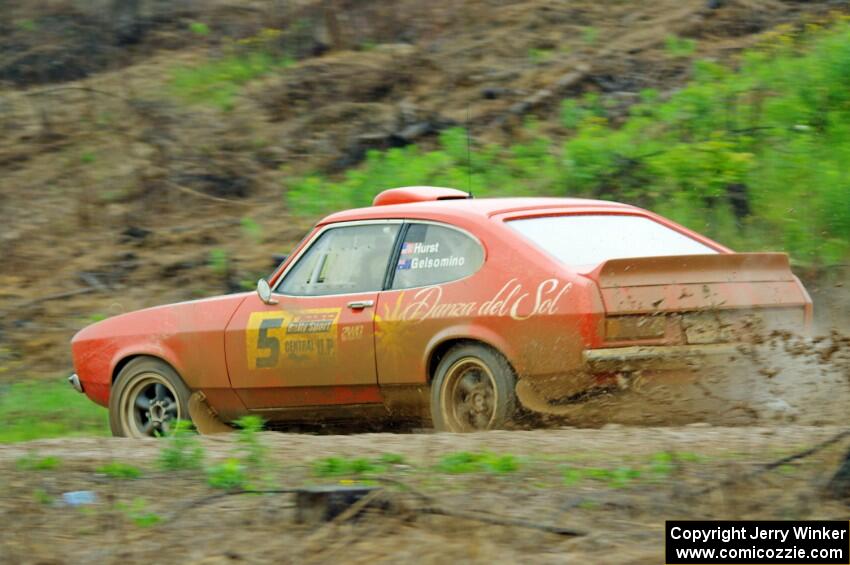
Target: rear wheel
147, 400
472, 390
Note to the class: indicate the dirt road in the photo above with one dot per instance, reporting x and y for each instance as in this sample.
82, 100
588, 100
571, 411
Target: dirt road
617, 485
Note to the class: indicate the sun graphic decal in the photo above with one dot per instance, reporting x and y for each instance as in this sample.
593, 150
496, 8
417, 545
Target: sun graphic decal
392, 332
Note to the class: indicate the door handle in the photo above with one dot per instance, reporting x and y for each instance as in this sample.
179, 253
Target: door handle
361, 304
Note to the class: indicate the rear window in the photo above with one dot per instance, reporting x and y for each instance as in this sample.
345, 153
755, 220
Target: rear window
588, 240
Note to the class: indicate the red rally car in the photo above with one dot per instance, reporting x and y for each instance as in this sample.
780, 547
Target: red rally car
434, 305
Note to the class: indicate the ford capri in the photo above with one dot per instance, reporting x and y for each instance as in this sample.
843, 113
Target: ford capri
433, 306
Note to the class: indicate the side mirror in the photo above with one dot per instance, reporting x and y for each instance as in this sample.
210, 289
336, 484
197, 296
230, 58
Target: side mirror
264, 291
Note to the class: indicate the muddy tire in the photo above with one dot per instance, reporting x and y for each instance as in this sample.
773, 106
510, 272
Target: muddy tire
148, 398
472, 390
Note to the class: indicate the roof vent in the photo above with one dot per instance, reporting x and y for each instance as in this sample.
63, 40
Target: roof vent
408, 194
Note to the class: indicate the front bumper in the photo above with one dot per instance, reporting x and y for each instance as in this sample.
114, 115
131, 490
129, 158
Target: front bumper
617, 359
74, 381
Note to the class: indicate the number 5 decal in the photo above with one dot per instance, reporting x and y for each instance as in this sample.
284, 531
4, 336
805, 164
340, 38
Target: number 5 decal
267, 342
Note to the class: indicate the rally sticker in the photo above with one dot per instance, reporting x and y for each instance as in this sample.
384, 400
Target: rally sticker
417, 247
430, 262
303, 336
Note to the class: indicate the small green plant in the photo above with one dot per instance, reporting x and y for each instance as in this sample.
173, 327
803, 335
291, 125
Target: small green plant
199, 28
341, 466
181, 450
589, 34
392, 459
249, 464
538, 56
573, 113
87, 158
251, 450
218, 261
572, 476
97, 317
231, 474
35, 462
137, 512
218, 81
662, 464
42, 496
467, 462
119, 470
680, 46
26, 24
251, 229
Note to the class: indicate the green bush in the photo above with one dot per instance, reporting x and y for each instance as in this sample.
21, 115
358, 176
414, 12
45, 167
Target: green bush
216, 82
35, 462
119, 470
228, 475
466, 462
181, 450
343, 466
138, 513
756, 158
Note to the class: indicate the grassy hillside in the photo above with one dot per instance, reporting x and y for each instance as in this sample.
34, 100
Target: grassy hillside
755, 156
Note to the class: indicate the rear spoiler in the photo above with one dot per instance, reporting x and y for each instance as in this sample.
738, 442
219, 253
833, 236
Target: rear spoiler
684, 269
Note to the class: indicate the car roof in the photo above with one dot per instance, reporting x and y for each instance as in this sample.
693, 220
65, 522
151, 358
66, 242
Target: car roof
481, 207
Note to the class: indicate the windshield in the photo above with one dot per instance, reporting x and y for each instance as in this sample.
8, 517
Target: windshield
588, 240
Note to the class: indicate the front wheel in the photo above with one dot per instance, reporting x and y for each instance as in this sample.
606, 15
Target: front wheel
147, 400
472, 390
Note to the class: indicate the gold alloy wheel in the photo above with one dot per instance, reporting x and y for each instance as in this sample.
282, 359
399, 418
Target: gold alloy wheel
149, 407
468, 396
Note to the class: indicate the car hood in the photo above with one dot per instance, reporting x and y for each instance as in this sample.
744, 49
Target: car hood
180, 316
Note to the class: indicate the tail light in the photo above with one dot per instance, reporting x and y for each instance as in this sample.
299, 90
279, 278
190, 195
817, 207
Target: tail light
624, 328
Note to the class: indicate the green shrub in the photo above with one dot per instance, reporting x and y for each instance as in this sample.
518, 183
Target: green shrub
216, 82
228, 475
42, 496
467, 462
119, 470
181, 450
680, 46
342, 466
199, 28
251, 451
35, 462
251, 229
218, 261
392, 459
589, 34
137, 513
756, 158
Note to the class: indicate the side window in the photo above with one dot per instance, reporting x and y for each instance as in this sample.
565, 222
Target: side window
343, 260
432, 254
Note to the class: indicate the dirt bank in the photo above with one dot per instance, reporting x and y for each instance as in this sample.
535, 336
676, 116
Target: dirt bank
618, 485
